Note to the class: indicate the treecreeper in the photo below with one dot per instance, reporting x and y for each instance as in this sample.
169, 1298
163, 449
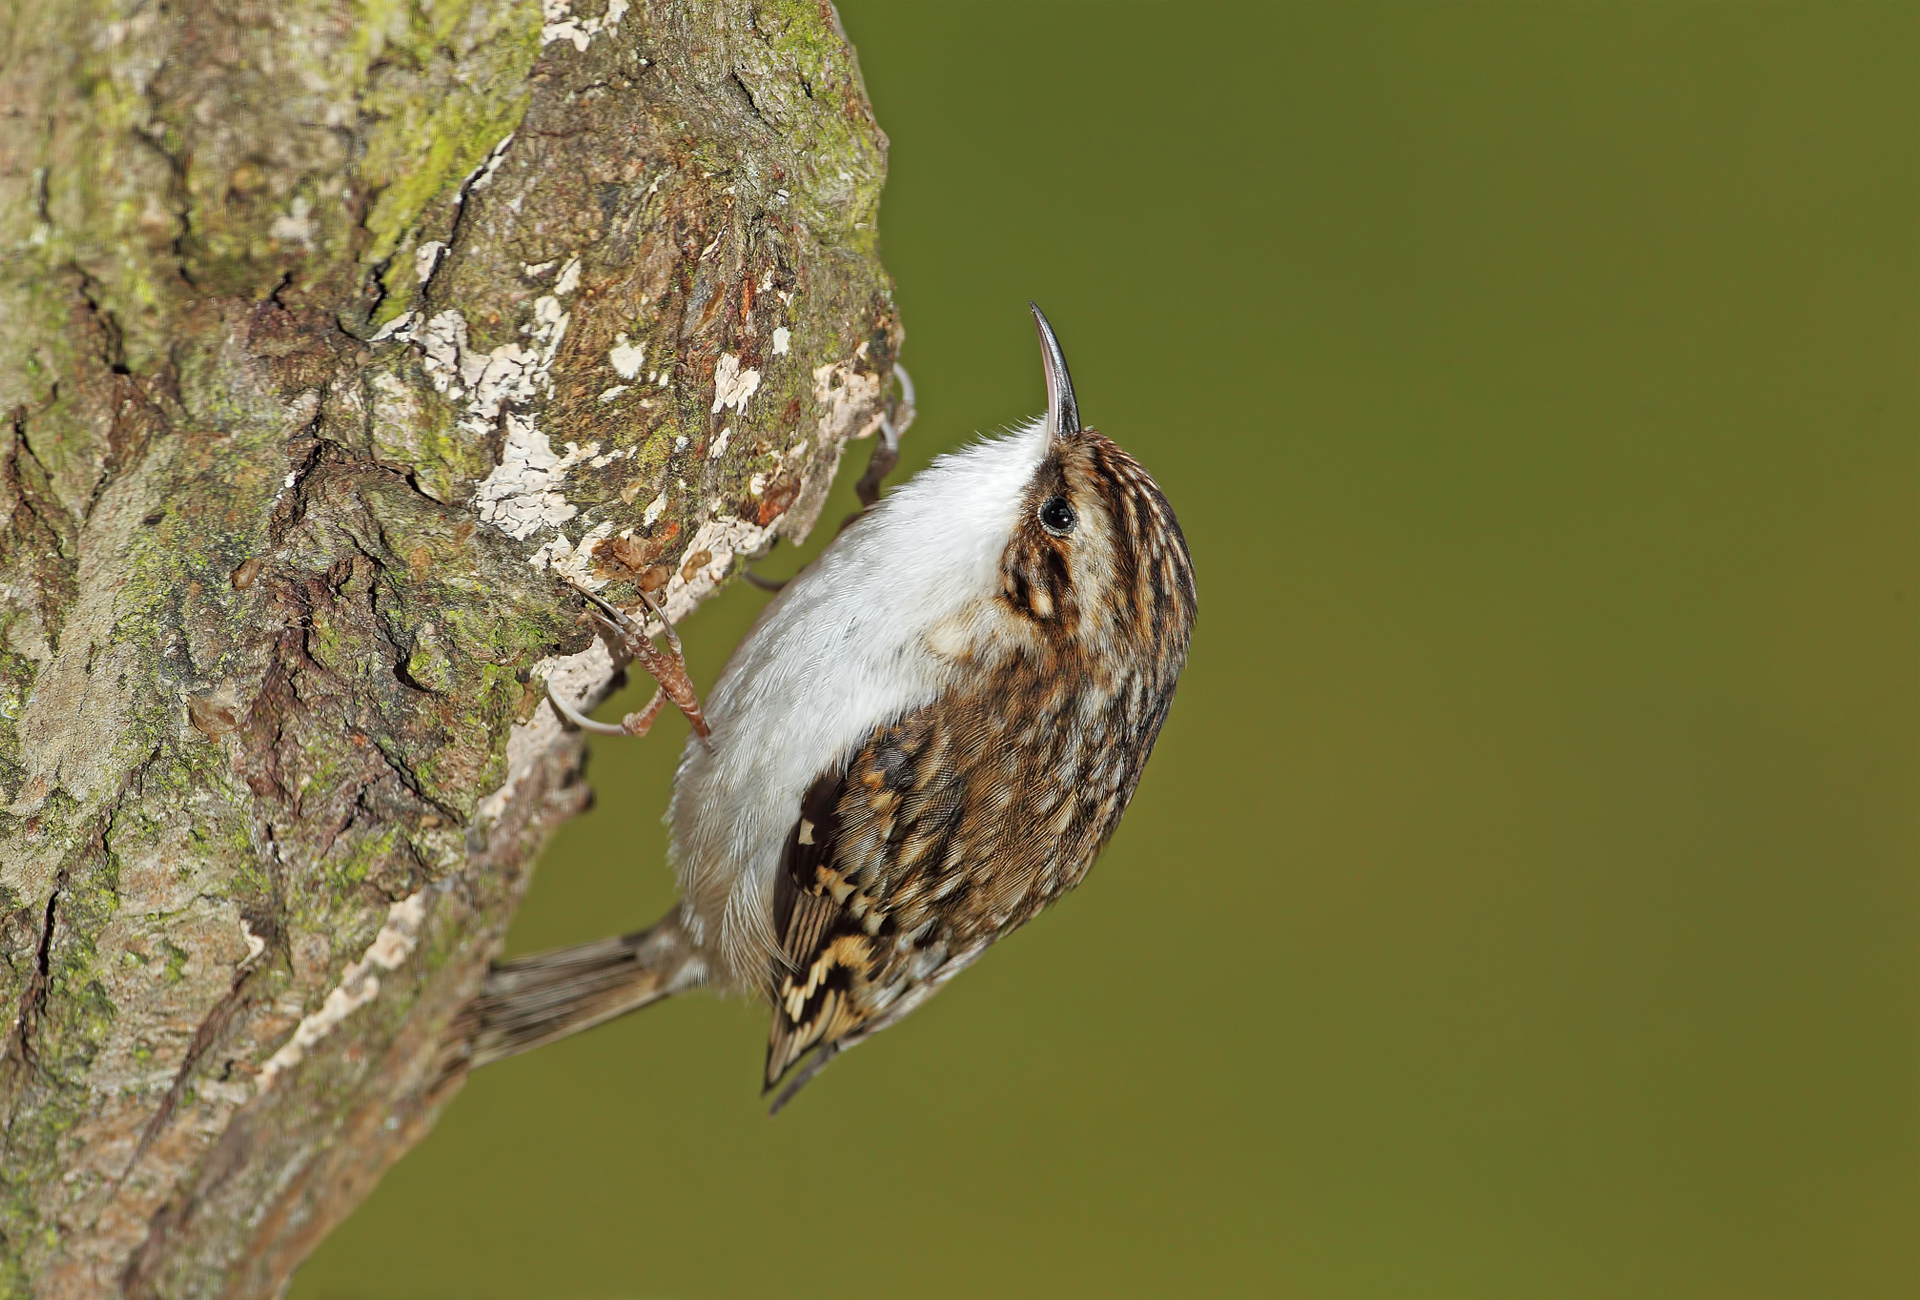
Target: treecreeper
926, 738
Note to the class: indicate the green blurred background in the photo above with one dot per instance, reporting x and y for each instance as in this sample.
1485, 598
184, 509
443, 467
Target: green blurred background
1522, 900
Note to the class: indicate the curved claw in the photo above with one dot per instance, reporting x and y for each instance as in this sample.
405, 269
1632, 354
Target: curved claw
673, 637
899, 414
634, 724
580, 719
606, 606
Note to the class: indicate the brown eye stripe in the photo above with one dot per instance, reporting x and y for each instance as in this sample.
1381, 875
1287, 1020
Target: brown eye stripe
1058, 582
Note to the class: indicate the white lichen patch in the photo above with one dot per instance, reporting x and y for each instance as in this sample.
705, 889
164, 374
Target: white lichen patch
256, 944
732, 385
522, 493
846, 394
719, 447
562, 25
574, 561
295, 226
655, 508
426, 258
400, 326
551, 553
359, 985
482, 176
608, 394
782, 340
626, 358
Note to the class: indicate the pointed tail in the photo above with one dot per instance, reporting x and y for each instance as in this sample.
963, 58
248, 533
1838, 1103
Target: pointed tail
531, 1001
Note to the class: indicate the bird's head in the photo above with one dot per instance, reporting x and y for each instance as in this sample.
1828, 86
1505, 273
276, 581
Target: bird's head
1096, 562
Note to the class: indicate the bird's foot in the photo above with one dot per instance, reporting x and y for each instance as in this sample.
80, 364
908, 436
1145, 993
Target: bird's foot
668, 667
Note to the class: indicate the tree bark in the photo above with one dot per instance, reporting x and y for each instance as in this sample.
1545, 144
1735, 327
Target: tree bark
333, 335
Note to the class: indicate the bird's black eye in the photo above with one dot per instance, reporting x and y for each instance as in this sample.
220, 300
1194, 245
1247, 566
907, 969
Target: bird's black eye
1057, 517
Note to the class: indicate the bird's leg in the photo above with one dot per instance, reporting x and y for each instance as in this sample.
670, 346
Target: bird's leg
886, 454
667, 667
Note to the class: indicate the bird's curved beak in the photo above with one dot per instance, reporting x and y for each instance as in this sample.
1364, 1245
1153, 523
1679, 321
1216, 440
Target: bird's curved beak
1063, 413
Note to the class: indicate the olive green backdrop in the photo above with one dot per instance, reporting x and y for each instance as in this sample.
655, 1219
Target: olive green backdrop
1522, 899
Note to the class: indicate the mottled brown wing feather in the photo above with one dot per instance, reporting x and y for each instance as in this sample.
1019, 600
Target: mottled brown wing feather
809, 989
892, 880
807, 1002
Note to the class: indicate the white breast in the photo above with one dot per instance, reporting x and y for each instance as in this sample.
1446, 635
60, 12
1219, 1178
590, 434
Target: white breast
869, 632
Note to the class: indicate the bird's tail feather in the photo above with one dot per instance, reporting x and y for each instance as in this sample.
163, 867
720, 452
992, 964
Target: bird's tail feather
534, 1000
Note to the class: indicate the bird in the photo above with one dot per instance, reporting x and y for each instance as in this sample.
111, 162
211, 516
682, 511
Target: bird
927, 737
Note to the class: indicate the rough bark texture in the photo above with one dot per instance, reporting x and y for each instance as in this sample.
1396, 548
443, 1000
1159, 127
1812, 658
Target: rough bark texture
329, 331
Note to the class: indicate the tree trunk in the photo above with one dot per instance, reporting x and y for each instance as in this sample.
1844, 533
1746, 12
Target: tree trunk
333, 336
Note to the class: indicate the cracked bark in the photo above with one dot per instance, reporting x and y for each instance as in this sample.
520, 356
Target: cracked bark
324, 343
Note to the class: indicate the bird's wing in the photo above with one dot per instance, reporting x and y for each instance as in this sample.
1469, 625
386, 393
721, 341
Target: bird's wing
892, 881
820, 955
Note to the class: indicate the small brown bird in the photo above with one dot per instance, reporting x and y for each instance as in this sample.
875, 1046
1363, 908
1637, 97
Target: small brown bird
926, 738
